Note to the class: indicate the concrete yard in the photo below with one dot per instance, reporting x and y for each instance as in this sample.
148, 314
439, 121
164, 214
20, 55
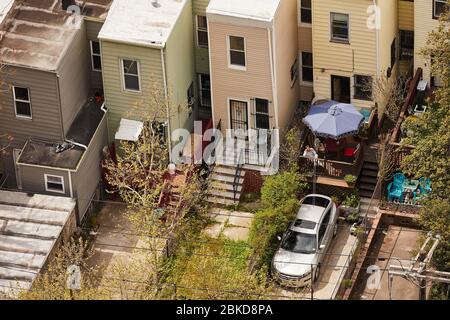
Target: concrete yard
233, 225
396, 246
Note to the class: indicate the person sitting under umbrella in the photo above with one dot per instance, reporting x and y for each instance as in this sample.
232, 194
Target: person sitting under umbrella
310, 153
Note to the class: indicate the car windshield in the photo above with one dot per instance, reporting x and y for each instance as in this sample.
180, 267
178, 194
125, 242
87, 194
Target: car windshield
299, 242
317, 201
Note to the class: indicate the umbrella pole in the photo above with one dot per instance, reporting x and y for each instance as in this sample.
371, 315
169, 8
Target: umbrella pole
314, 176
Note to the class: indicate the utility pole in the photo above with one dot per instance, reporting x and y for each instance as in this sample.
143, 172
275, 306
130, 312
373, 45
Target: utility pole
421, 275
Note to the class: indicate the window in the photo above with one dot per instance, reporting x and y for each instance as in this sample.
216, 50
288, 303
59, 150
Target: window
205, 90
305, 11
294, 72
363, 87
22, 102
96, 58
131, 80
262, 118
339, 27
307, 67
54, 183
393, 52
324, 225
237, 51
439, 7
202, 31
406, 45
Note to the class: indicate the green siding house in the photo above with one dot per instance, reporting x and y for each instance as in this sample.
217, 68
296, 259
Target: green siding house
147, 50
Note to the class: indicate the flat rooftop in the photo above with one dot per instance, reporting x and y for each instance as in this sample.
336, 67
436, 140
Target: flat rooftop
263, 10
36, 33
82, 130
30, 225
142, 22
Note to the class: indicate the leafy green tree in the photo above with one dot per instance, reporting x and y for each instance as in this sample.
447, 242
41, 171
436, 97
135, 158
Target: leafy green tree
280, 188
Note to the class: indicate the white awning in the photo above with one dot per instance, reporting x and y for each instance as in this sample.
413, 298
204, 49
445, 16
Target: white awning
129, 130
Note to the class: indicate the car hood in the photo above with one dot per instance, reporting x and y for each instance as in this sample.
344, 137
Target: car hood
293, 264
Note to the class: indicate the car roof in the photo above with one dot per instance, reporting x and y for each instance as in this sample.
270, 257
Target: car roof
311, 213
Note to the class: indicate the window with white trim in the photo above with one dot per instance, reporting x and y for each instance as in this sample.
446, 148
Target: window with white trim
439, 7
22, 102
205, 89
340, 27
96, 57
262, 118
237, 51
307, 67
54, 183
202, 31
130, 72
305, 11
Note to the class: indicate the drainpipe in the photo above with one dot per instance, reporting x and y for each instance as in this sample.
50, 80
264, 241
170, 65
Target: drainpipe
166, 95
271, 36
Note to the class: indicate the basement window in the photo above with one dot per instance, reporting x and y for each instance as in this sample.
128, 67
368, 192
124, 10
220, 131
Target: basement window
54, 183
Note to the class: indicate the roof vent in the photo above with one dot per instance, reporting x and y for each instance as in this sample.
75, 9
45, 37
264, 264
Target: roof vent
156, 4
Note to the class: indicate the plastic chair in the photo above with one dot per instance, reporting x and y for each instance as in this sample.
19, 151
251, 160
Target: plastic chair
395, 192
399, 178
425, 185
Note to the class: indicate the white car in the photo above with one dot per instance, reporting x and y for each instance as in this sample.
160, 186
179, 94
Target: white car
303, 247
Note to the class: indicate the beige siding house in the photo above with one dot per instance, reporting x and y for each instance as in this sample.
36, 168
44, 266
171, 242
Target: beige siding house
146, 50
254, 63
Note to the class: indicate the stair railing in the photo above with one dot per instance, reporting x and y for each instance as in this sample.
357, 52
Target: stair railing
237, 176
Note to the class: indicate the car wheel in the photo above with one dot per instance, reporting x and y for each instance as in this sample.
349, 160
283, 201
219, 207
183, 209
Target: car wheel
335, 230
317, 273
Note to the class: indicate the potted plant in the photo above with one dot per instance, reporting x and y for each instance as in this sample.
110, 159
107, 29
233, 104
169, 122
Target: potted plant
351, 205
350, 179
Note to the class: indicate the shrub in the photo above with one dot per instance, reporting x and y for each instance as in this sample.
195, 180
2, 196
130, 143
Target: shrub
282, 187
350, 179
266, 226
351, 198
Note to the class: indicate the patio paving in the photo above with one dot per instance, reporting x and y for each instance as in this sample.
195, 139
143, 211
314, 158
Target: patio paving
234, 225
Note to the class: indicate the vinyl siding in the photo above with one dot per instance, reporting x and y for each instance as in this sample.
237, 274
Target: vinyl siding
227, 83
422, 27
201, 54
92, 31
86, 179
123, 103
74, 80
358, 57
180, 68
286, 53
46, 122
33, 180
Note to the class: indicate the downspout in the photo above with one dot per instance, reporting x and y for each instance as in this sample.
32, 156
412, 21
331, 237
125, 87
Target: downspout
273, 71
166, 95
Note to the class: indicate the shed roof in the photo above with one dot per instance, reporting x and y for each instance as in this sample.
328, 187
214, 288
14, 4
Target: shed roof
30, 225
144, 23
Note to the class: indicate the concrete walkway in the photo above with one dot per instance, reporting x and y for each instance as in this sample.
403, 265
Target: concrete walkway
233, 225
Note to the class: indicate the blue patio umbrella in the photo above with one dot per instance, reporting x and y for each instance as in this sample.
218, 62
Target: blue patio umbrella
334, 120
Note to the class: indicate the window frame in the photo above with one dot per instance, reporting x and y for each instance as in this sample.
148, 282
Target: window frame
302, 65
436, 17
301, 7
201, 89
199, 29
265, 114
96, 55
332, 37
15, 99
63, 191
123, 74
236, 66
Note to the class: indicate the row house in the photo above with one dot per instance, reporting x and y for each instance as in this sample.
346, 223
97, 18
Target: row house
50, 99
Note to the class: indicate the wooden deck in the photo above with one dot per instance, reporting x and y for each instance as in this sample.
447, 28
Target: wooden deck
332, 182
